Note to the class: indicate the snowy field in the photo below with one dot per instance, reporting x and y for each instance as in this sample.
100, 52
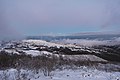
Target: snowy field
82, 73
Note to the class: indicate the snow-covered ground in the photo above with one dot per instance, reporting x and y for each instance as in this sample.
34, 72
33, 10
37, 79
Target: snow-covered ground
45, 43
86, 57
82, 73
83, 58
71, 45
38, 53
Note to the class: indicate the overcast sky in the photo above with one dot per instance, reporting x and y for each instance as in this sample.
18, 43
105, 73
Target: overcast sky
34, 17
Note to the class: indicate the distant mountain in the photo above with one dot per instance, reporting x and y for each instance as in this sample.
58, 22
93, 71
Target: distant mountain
89, 35
96, 33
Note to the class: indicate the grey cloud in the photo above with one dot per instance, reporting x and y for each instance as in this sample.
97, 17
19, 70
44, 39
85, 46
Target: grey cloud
83, 12
6, 32
24, 13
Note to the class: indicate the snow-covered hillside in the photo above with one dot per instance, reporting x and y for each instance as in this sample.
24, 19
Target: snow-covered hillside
45, 43
42, 60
